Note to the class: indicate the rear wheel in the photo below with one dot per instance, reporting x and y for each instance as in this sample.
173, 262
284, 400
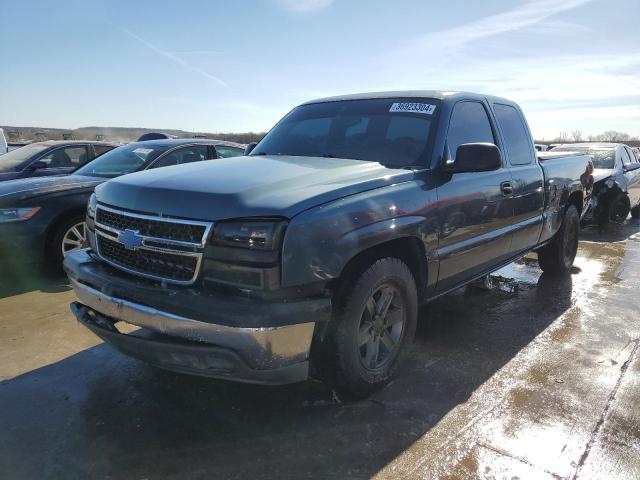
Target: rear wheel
558, 255
373, 322
69, 235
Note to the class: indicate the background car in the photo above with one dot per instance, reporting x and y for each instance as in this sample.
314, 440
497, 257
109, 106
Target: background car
154, 136
50, 158
616, 180
44, 217
4, 146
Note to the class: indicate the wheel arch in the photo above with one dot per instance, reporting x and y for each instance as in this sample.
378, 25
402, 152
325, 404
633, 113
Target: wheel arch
409, 249
56, 221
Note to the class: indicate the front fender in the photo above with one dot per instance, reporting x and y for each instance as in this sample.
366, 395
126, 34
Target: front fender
320, 242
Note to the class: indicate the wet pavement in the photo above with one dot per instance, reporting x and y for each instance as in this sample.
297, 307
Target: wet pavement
522, 376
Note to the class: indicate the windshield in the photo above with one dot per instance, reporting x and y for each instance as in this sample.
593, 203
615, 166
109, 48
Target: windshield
601, 157
119, 161
17, 160
393, 132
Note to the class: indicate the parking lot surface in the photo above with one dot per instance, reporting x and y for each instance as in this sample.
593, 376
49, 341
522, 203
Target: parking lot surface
526, 376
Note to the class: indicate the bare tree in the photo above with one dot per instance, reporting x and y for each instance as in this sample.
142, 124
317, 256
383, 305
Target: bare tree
576, 135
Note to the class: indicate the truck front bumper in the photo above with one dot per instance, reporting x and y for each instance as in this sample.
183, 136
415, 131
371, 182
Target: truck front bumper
272, 355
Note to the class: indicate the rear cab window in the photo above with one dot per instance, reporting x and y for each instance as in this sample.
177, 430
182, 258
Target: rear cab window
517, 140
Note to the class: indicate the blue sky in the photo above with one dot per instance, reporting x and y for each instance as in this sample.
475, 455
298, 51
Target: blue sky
240, 65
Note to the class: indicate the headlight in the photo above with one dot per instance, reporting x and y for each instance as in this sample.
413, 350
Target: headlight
17, 214
252, 234
610, 182
91, 206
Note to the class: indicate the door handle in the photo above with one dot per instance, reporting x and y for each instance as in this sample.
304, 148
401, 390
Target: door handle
506, 188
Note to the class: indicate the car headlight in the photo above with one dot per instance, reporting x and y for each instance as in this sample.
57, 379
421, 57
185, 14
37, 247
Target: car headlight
91, 206
17, 214
252, 234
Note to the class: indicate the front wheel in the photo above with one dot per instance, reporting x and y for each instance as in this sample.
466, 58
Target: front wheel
69, 235
558, 255
373, 323
619, 208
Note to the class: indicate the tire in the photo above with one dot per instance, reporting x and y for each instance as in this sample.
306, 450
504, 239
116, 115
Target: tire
619, 208
635, 212
365, 345
60, 241
557, 256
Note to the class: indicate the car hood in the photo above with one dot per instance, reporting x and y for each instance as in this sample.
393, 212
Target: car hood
25, 188
603, 173
246, 186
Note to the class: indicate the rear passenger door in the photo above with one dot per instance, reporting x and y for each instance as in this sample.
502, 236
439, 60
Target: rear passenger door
527, 180
474, 214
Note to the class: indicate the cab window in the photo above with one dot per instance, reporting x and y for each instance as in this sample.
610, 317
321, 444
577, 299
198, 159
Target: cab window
469, 124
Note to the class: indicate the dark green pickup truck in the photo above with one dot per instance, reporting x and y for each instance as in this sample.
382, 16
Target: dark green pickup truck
318, 246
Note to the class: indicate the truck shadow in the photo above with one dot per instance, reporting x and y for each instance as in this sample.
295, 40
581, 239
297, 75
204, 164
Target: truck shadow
18, 278
100, 414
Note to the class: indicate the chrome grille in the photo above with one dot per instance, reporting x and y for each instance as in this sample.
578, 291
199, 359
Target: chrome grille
149, 246
182, 232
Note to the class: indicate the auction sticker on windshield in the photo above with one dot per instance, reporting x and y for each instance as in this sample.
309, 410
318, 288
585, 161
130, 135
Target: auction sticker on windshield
423, 108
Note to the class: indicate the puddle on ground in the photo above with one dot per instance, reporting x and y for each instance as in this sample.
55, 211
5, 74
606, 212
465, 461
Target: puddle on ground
520, 275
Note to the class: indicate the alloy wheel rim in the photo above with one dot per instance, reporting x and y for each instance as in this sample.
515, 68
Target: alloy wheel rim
381, 327
73, 238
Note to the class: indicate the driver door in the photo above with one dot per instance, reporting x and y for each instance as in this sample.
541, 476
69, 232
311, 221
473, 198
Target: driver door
474, 213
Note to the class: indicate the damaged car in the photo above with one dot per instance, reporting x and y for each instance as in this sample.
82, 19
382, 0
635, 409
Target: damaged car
616, 181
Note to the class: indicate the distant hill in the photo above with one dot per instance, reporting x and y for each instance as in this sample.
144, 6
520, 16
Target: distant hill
113, 134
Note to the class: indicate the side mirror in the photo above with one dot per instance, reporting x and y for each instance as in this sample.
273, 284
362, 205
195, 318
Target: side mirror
474, 157
38, 165
249, 148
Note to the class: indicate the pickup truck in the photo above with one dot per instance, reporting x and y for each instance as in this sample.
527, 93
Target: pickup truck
315, 249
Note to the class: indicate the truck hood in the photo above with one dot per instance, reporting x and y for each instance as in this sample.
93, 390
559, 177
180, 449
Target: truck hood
246, 186
25, 188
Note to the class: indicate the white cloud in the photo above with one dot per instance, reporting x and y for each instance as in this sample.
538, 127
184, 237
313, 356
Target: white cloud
524, 15
173, 57
304, 6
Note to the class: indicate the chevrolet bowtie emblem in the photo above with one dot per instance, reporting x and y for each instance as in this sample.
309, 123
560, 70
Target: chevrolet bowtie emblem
130, 239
